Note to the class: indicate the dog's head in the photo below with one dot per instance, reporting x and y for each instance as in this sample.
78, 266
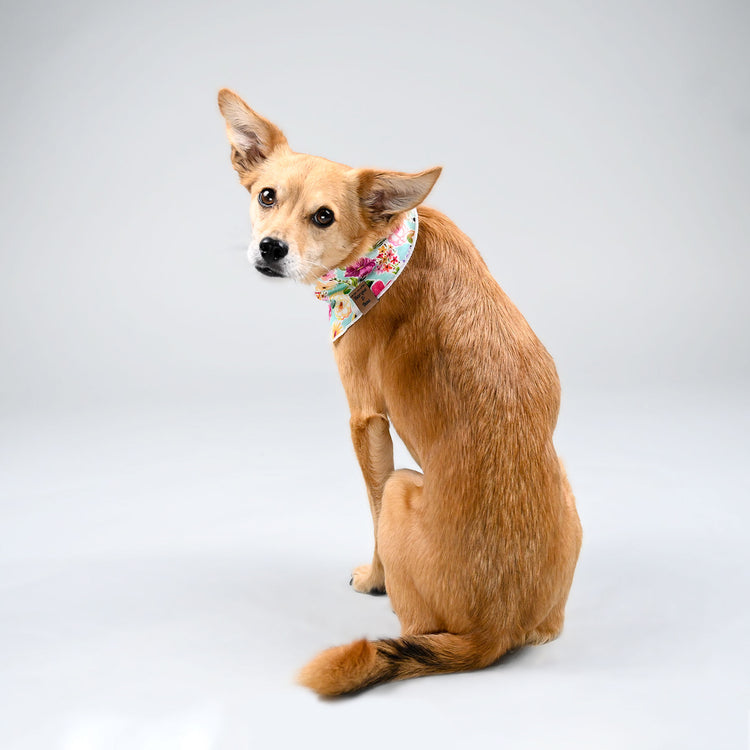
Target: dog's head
308, 214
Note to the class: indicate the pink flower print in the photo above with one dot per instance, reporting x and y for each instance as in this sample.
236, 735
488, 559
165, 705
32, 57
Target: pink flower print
360, 268
387, 260
399, 236
328, 275
377, 288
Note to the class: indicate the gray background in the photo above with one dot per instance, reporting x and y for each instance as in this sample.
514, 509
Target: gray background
180, 507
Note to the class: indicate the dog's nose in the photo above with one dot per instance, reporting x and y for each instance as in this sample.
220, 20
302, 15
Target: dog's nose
272, 249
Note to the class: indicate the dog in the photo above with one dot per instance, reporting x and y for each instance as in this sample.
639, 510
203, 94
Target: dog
476, 552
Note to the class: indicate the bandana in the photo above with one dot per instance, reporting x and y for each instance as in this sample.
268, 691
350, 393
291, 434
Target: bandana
351, 291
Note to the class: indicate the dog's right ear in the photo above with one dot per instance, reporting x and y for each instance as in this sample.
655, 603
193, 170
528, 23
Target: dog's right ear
253, 138
384, 194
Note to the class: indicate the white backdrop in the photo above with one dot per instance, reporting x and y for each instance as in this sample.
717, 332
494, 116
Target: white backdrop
174, 540
598, 154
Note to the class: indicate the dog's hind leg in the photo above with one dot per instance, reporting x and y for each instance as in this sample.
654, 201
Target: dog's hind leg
401, 545
552, 625
549, 629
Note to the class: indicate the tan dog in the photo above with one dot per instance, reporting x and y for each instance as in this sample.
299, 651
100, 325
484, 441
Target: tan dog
477, 554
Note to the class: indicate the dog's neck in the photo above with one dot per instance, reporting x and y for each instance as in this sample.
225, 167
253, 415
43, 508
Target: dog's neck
352, 290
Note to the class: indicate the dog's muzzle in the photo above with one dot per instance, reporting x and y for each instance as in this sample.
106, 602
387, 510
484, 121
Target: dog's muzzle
272, 252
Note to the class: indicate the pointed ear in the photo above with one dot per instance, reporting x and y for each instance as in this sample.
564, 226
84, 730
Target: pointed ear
384, 194
252, 137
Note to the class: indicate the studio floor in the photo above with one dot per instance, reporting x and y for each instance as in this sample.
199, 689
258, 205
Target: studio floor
166, 567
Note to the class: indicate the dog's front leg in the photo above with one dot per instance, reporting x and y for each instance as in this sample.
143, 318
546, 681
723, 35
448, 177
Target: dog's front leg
374, 449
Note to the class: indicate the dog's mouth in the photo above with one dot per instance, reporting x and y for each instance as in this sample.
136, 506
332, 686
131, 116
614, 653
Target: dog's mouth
268, 271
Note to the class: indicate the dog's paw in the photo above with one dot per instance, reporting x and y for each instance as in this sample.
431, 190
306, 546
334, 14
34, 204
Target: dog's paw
366, 581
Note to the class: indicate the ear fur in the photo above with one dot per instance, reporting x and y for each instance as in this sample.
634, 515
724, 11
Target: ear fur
384, 194
252, 137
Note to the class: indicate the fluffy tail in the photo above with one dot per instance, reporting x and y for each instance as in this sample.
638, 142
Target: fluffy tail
363, 664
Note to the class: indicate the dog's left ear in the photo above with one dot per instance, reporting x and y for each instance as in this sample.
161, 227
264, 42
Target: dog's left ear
384, 194
253, 138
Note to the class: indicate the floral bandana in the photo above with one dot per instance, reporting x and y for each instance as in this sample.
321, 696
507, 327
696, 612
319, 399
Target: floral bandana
351, 291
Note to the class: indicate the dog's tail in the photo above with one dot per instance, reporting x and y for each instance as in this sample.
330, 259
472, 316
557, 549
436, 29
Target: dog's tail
363, 664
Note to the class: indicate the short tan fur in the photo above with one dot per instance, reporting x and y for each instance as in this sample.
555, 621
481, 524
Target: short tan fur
477, 551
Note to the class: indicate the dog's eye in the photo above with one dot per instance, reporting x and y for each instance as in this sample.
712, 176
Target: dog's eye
267, 197
323, 217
